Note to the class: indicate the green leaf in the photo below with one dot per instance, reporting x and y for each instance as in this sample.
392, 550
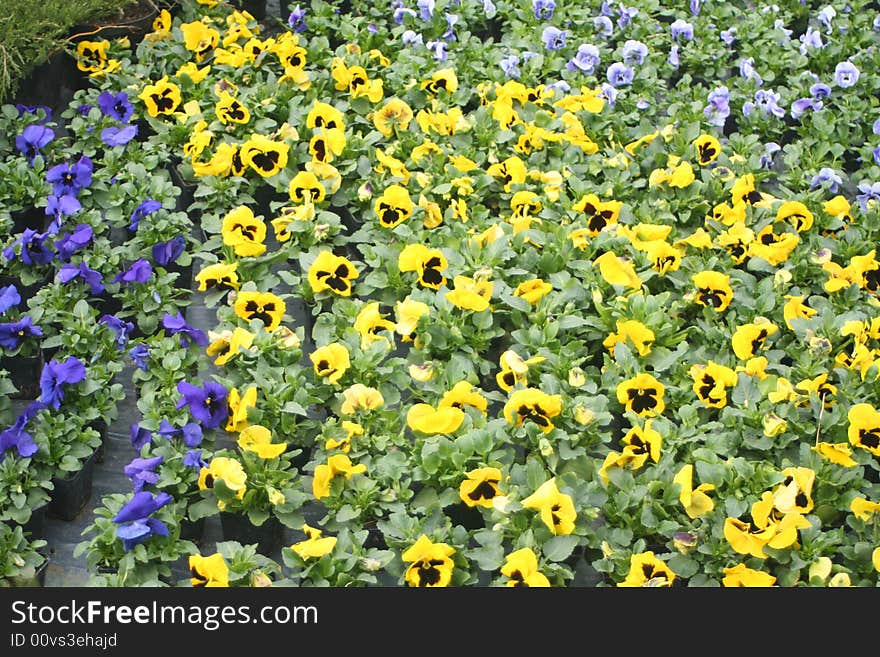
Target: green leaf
295, 408
683, 566
346, 513
560, 548
202, 509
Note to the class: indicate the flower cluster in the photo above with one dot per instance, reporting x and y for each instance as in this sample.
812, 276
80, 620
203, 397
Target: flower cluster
605, 313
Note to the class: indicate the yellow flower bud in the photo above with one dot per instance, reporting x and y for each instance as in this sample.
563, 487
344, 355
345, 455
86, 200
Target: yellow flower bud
774, 425
583, 416
820, 569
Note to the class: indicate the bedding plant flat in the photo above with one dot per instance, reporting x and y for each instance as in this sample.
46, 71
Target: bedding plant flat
505, 293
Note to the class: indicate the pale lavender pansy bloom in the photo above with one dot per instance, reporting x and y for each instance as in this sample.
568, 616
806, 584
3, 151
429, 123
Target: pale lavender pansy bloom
681, 29
634, 52
619, 74
585, 60
846, 74
827, 177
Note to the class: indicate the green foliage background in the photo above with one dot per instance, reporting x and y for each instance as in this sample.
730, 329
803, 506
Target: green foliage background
30, 30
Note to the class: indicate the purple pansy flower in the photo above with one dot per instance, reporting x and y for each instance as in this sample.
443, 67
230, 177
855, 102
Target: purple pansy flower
57, 374
770, 149
72, 242
193, 459
451, 20
16, 436
510, 65
146, 208
141, 471
625, 15
870, 194
120, 327
400, 12
139, 354
141, 505
767, 101
33, 249
139, 272
118, 136
65, 205
9, 298
190, 433
35, 111
164, 253
438, 49
69, 179
820, 91
802, 105
779, 24
826, 15
297, 20
718, 109
116, 106
426, 9
139, 436
810, 40
410, 38
32, 140
176, 325
92, 278
134, 523
12, 334
207, 405
747, 71
609, 93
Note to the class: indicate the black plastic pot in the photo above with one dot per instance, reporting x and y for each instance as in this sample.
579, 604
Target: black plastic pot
33, 218
41, 572
186, 195
101, 427
73, 492
107, 304
184, 279
346, 218
375, 539
36, 523
26, 292
302, 459
37, 580
52, 83
468, 517
192, 530
24, 372
238, 527
135, 21
256, 8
